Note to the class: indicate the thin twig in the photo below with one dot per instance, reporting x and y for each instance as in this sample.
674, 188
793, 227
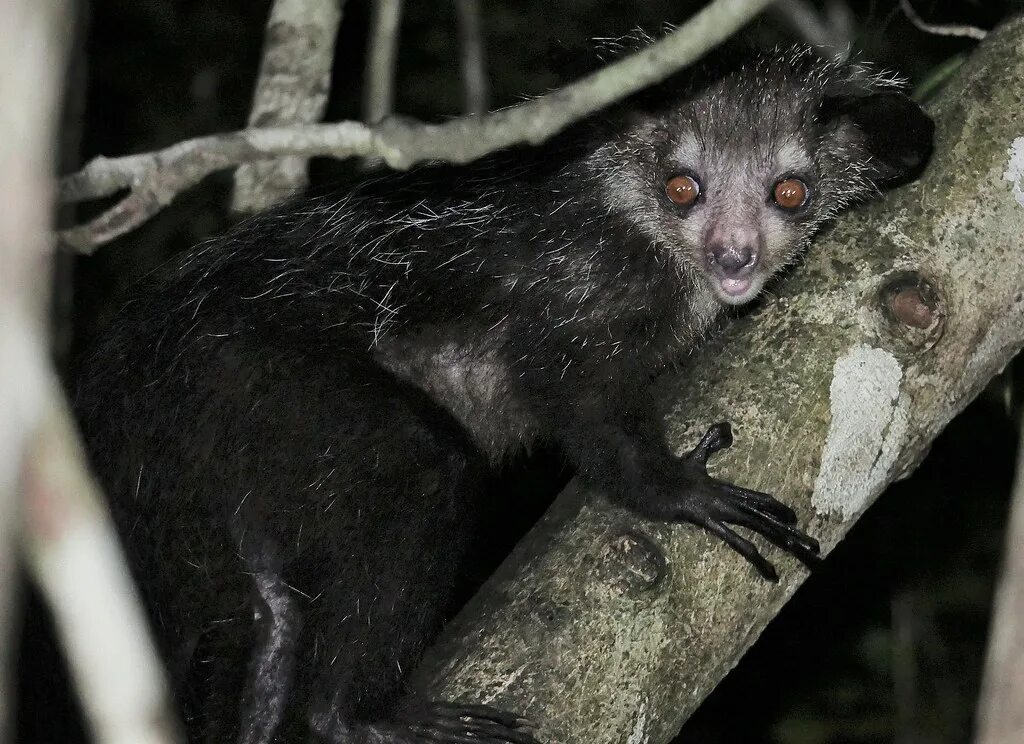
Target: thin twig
970, 32
473, 56
382, 60
155, 178
292, 88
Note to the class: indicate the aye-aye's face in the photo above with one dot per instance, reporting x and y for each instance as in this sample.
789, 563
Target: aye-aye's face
735, 209
728, 183
734, 180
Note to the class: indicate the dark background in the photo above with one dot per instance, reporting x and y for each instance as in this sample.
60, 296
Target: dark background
884, 643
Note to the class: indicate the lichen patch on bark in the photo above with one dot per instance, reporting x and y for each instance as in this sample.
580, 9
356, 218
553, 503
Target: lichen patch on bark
869, 420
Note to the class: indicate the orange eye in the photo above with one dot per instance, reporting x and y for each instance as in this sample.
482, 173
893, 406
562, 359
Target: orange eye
790, 193
682, 190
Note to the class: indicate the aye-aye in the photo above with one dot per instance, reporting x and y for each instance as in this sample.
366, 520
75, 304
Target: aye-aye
293, 421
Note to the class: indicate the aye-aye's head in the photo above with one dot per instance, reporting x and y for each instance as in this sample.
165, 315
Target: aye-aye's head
734, 175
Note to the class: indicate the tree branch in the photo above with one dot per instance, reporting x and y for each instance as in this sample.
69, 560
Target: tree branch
1001, 705
75, 556
69, 547
940, 29
604, 628
473, 56
292, 88
382, 60
30, 59
154, 179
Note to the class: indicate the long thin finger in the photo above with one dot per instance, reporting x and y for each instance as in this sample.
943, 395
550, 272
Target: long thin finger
764, 502
745, 548
459, 710
791, 539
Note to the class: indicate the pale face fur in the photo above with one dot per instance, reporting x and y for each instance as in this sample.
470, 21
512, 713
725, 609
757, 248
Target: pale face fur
737, 138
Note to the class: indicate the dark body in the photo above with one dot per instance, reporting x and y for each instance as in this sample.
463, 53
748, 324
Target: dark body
227, 571
295, 420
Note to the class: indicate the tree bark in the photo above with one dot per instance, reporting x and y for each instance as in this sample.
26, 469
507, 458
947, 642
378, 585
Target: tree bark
292, 88
605, 628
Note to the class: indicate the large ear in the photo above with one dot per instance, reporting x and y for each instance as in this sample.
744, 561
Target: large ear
894, 130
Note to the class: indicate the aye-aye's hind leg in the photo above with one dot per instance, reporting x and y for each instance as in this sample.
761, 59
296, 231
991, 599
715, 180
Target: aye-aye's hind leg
272, 666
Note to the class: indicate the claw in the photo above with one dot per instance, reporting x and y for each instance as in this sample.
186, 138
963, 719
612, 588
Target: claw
757, 511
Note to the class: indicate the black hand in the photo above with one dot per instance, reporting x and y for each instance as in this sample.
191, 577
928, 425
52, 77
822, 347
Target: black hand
450, 723
698, 498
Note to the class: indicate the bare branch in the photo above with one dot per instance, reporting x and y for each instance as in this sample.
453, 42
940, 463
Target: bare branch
292, 88
69, 547
74, 555
21, 402
1001, 705
382, 60
155, 178
970, 32
31, 57
473, 56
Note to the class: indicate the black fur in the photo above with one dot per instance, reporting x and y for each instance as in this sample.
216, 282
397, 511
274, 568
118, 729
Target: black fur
294, 421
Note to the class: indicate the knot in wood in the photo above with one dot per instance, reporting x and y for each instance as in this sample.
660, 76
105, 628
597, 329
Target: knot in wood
631, 564
909, 307
913, 307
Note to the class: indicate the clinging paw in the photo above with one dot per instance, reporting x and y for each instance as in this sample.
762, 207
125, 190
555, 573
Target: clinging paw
715, 505
451, 723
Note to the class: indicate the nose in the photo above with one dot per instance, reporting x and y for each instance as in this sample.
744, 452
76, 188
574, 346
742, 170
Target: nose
733, 261
732, 254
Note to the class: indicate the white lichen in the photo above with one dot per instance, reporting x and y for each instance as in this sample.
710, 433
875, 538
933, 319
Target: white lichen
1014, 172
869, 421
638, 733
